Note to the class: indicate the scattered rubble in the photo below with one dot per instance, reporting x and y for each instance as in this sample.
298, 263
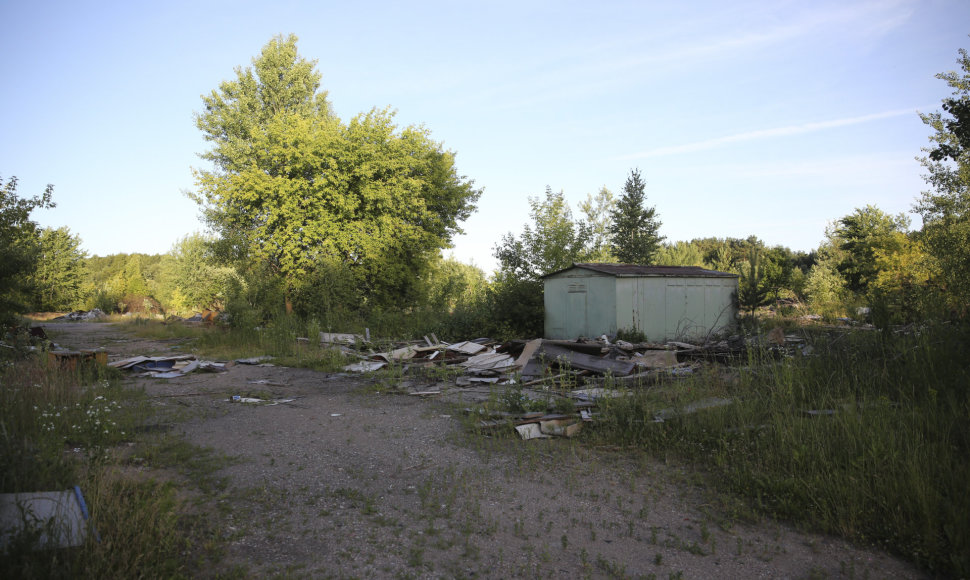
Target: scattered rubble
95, 314
561, 382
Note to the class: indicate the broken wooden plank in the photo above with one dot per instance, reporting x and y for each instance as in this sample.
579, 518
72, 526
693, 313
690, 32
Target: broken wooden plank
528, 351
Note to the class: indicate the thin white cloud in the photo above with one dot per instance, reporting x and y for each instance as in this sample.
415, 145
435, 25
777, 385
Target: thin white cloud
568, 72
766, 134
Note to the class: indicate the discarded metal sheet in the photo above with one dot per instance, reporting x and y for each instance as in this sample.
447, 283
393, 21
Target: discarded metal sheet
137, 360
336, 337
531, 431
466, 347
58, 518
365, 366
490, 361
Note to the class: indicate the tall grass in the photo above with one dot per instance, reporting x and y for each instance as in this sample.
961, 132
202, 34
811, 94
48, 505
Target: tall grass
881, 460
62, 427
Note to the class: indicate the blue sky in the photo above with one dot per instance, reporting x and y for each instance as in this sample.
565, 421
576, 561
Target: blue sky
745, 118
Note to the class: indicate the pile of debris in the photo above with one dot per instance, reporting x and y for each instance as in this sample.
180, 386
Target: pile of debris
544, 376
483, 360
95, 314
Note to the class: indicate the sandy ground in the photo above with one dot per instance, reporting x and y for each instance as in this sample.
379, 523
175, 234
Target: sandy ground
346, 482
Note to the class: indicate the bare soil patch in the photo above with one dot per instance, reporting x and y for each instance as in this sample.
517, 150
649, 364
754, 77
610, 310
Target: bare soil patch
346, 482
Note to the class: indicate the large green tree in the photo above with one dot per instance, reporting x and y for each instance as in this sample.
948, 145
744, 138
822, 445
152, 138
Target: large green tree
59, 272
634, 232
598, 213
859, 236
552, 241
18, 245
293, 187
945, 209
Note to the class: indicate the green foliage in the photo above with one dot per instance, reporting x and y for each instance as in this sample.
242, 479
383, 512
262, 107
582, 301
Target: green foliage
516, 306
255, 297
946, 208
679, 254
330, 295
859, 236
904, 290
200, 282
18, 245
110, 279
56, 282
825, 288
634, 237
449, 283
294, 187
598, 212
752, 289
552, 242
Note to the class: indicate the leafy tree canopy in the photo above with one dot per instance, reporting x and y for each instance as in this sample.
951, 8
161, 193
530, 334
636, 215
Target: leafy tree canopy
945, 209
293, 186
552, 242
56, 282
18, 244
860, 235
598, 213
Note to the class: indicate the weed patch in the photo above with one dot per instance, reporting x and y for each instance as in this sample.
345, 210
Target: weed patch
867, 439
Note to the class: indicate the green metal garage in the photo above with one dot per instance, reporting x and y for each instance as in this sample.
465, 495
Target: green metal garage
663, 302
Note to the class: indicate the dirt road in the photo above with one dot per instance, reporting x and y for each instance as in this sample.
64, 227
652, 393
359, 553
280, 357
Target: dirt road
346, 482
